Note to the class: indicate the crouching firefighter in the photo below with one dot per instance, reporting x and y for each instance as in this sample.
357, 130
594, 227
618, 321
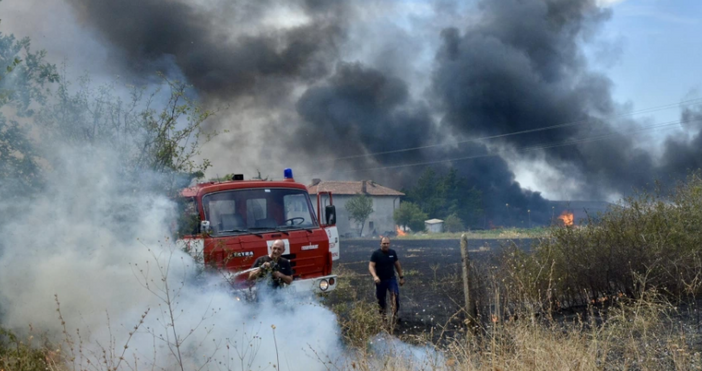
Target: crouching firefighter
273, 267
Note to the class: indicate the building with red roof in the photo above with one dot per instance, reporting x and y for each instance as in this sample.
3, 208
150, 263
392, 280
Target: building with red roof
385, 201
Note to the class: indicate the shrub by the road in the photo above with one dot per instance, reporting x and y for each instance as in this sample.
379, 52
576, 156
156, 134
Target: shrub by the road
651, 240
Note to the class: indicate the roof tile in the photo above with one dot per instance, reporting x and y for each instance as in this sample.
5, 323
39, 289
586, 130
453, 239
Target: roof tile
352, 188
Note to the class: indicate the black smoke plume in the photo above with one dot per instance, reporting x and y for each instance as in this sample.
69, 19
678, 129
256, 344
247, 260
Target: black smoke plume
522, 69
512, 66
519, 68
216, 45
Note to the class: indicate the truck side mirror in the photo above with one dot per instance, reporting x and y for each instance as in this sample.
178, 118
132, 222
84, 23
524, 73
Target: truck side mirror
205, 227
330, 215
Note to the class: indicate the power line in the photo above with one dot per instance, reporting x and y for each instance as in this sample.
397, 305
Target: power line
564, 143
573, 123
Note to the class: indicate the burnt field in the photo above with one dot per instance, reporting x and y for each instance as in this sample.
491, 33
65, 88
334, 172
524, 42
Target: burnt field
432, 296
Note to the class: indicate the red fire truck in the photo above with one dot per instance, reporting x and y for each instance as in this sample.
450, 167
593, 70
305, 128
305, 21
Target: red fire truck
227, 225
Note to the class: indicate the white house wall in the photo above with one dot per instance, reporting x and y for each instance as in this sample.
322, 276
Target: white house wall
381, 218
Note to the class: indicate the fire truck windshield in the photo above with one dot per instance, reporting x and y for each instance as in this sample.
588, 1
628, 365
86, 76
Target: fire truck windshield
244, 210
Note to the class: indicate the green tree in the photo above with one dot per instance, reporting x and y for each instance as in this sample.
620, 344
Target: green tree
410, 215
442, 195
24, 79
360, 207
158, 130
427, 193
460, 199
453, 223
403, 214
152, 129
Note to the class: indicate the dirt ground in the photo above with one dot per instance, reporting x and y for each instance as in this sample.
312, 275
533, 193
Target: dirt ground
431, 299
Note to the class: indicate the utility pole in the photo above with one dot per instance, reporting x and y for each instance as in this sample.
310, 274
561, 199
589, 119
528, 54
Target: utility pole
465, 265
509, 217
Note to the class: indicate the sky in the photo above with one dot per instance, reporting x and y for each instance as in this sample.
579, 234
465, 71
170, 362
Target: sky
660, 51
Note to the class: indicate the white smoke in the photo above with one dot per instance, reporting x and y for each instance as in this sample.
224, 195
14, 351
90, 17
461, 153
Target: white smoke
101, 247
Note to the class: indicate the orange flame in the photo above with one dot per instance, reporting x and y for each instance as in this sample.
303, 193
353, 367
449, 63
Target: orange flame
399, 231
567, 218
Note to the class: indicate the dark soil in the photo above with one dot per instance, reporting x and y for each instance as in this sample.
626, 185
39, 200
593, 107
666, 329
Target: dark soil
432, 297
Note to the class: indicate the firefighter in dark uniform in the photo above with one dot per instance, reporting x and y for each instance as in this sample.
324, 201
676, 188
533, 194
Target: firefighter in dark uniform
274, 265
382, 266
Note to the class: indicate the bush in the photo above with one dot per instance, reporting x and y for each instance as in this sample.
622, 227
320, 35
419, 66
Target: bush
453, 224
649, 241
19, 355
410, 215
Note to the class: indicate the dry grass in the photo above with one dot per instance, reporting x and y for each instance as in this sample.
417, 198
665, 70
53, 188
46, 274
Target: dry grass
32, 353
647, 333
643, 334
625, 278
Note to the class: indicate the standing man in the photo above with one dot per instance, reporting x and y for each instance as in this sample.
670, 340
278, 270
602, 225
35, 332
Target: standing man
382, 266
278, 267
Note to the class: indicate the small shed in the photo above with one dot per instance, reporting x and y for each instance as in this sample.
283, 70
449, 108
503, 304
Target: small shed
434, 225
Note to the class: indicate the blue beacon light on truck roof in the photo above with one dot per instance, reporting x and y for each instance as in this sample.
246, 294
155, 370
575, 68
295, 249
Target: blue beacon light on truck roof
287, 173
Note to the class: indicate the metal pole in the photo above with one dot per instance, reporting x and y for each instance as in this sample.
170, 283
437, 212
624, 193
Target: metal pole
465, 260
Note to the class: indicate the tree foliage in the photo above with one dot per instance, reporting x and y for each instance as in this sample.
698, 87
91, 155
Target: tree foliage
24, 81
453, 223
410, 215
359, 208
24, 76
442, 195
157, 129
154, 129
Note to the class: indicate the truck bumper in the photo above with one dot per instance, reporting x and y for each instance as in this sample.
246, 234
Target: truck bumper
313, 285
317, 285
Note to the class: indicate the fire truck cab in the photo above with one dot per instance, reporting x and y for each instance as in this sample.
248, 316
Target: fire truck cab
228, 225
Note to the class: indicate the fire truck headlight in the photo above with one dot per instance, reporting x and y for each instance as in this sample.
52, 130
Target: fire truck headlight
323, 285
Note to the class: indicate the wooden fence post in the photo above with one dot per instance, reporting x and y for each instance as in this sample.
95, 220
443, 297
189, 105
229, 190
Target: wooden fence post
465, 265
